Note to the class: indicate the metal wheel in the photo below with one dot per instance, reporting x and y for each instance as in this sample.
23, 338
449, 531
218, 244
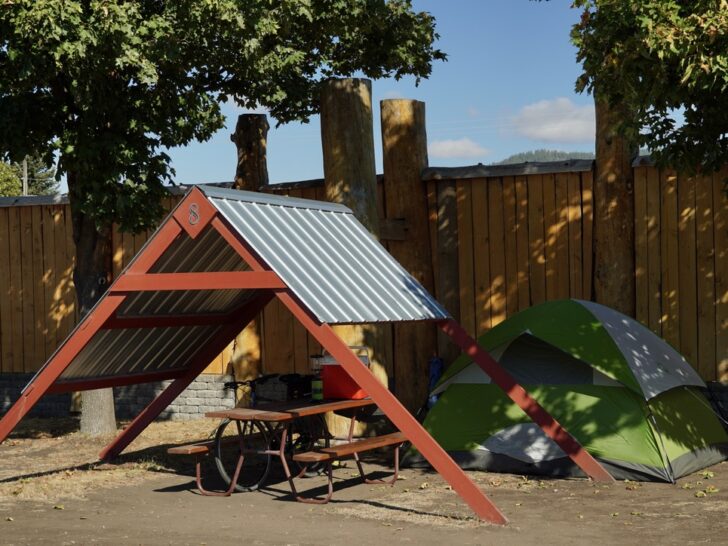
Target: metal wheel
256, 463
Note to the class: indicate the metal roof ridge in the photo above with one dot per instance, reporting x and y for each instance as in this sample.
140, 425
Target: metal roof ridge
271, 199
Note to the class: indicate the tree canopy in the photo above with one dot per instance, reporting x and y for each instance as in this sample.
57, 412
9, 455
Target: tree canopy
666, 63
109, 85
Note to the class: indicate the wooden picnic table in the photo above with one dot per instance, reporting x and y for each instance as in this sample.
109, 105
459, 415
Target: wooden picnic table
278, 421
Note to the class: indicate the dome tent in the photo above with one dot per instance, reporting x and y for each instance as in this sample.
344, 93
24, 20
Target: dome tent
625, 394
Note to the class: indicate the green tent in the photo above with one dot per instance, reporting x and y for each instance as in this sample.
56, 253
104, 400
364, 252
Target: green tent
625, 394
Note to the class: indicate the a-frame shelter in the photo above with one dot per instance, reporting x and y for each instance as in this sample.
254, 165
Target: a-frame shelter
212, 266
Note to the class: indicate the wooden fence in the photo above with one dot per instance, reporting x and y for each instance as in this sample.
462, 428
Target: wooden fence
499, 244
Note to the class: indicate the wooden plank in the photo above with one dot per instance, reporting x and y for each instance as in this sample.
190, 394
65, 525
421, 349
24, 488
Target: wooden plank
465, 254
69, 295
64, 272
511, 244
654, 269
640, 238
536, 241
550, 235
497, 252
562, 235
432, 222
49, 278
40, 331
277, 345
670, 259
481, 251
117, 251
447, 276
687, 270
522, 247
720, 233
7, 323
587, 223
705, 256
576, 266
127, 246
28, 288
16, 288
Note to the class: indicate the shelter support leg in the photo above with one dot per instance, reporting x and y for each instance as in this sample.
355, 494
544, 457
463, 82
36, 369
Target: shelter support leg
40, 384
197, 364
526, 402
396, 412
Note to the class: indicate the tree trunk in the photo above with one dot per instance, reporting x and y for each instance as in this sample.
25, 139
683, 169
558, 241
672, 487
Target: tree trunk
347, 137
91, 276
250, 138
614, 274
404, 141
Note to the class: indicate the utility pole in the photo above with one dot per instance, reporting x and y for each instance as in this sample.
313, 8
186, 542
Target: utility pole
25, 176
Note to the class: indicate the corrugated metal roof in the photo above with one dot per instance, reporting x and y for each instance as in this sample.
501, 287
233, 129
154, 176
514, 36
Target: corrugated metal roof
328, 259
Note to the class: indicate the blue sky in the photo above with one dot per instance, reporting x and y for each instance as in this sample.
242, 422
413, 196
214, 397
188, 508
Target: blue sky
507, 87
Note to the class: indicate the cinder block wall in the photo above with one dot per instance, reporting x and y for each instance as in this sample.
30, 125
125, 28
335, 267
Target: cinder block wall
206, 393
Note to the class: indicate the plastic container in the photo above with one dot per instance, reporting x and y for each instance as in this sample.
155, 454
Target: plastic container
337, 384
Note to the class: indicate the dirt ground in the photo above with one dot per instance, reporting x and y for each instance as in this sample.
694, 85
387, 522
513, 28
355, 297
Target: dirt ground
53, 490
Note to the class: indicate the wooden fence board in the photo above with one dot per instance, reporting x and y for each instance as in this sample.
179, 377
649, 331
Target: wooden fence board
654, 241
550, 219
687, 270
71, 316
640, 238
720, 234
28, 287
561, 216
537, 257
522, 246
497, 252
16, 290
432, 223
7, 319
575, 266
511, 244
481, 242
465, 254
39, 287
705, 254
49, 278
670, 259
587, 206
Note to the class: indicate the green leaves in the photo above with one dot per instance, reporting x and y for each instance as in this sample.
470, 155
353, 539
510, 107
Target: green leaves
108, 84
667, 61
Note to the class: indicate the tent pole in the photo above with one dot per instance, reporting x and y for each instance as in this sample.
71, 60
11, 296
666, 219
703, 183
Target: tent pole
396, 412
198, 363
526, 402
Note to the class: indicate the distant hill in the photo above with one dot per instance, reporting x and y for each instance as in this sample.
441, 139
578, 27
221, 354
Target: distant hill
544, 155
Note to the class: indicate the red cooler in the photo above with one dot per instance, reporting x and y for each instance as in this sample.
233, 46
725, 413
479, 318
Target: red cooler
337, 383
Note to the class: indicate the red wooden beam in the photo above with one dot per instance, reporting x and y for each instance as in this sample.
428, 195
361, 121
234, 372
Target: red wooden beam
526, 402
396, 412
197, 364
225, 280
115, 381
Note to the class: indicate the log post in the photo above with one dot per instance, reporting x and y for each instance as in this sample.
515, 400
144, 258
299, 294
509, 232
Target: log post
404, 143
614, 278
250, 138
350, 178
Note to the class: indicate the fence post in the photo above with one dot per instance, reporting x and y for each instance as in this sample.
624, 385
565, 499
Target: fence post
404, 143
350, 178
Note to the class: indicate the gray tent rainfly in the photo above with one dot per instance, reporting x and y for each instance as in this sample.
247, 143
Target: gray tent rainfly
212, 266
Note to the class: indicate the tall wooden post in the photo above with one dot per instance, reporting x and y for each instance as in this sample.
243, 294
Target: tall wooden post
614, 279
347, 138
250, 138
404, 142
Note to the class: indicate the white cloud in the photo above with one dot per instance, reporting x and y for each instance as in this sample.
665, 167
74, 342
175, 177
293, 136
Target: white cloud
461, 147
557, 120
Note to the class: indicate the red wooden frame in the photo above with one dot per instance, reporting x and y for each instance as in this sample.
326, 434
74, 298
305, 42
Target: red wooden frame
192, 215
